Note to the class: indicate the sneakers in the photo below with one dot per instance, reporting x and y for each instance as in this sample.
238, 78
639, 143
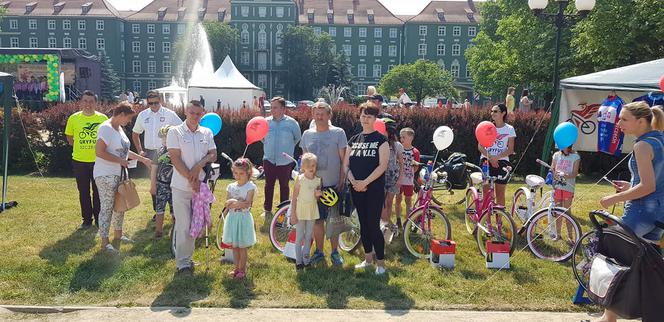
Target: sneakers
317, 257
185, 271
110, 249
388, 233
266, 214
337, 260
380, 270
399, 226
362, 265
126, 239
84, 226
299, 267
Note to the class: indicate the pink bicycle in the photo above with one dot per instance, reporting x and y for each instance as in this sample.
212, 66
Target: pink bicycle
487, 220
425, 221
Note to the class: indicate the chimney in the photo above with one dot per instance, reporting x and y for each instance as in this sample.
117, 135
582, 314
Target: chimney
29, 7
370, 16
355, 4
470, 15
201, 13
85, 8
221, 14
350, 15
58, 7
440, 13
310, 15
302, 6
330, 16
472, 6
205, 4
5, 4
181, 12
330, 4
161, 13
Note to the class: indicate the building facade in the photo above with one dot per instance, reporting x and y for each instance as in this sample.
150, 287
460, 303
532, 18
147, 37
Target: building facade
140, 44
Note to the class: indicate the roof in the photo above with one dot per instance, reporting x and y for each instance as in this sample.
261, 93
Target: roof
227, 76
361, 11
64, 53
174, 10
638, 77
448, 12
97, 8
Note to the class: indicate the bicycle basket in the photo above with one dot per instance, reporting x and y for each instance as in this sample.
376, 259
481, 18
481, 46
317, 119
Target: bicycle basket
455, 166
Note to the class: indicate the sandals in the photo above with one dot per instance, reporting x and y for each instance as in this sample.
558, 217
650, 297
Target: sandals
232, 273
239, 275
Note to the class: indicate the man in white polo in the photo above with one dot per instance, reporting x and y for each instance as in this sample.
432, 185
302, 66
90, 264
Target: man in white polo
190, 147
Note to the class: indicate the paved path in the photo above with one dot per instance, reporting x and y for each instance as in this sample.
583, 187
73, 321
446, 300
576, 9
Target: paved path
96, 314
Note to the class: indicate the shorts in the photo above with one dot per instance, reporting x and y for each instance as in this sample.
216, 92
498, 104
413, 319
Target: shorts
163, 197
392, 188
562, 195
323, 210
407, 191
495, 172
641, 215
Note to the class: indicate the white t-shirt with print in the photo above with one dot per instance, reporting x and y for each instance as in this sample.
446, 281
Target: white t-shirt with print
117, 144
502, 139
565, 163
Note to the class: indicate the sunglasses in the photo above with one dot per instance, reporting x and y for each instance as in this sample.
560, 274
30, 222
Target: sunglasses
153, 103
495, 111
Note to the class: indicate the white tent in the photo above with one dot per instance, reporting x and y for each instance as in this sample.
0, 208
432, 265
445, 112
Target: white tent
173, 95
582, 96
227, 86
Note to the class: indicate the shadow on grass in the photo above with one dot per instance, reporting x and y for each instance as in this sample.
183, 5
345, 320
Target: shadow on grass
78, 242
182, 291
241, 292
91, 273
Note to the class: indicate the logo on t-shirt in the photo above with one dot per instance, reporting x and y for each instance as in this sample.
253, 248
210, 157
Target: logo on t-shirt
88, 135
361, 149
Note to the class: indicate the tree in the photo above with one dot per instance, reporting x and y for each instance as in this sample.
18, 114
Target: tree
423, 78
110, 81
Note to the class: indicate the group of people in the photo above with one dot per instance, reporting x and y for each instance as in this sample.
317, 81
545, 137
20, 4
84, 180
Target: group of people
31, 89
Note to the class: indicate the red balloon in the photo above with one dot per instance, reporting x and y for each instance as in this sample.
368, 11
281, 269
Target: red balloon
661, 83
379, 126
486, 134
257, 129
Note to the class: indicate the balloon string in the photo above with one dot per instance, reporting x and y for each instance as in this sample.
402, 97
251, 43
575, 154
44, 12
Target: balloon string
245, 150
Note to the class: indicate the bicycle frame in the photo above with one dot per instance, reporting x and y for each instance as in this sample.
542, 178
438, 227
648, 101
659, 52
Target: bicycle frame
485, 207
424, 199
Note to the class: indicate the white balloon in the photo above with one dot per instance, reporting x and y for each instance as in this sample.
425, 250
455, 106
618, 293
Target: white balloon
443, 137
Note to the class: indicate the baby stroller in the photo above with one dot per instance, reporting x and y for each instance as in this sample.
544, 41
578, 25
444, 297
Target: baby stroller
620, 271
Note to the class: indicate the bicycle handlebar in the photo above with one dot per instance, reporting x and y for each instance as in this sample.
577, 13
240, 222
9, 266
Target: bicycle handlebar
225, 156
542, 163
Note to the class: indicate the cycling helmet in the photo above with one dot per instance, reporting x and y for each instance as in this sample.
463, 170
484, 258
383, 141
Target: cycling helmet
329, 197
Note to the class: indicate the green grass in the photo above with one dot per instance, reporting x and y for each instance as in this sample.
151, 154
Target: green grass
46, 261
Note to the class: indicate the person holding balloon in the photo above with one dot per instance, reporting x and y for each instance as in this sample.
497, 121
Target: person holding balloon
565, 163
496, 144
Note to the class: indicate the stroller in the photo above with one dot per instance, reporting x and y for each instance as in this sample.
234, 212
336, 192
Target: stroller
620, 271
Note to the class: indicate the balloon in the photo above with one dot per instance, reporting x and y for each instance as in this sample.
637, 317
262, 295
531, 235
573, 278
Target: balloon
565, 135
661, 83
379, 126
212, 121
257, 129
443, 137
486, 134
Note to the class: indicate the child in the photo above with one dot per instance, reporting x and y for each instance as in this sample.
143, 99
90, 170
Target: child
410, 155
393, 175
566, 162
239, 224
304, 208
160, 175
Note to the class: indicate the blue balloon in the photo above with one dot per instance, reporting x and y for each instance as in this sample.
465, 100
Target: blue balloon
212, 121
565, 135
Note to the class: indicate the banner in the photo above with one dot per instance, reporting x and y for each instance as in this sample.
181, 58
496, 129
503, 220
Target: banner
25, 72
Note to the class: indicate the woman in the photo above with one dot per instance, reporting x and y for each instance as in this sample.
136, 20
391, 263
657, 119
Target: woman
112, 151
525, 103
365, 162
644, 195
498, 155
509, 99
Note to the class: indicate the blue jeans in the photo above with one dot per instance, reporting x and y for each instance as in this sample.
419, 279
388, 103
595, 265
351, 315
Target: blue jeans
641, 215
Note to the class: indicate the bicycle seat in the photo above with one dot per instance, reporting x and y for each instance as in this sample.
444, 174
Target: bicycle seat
476, 178
214, 172
534, 181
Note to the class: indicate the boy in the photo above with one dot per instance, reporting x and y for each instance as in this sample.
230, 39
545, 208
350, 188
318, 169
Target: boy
407, 180
160, 175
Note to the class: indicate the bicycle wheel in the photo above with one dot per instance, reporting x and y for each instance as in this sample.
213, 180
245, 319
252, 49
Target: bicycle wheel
220, 229
419, 230
554, 239
471, 210
584, 250
349, 240
502, 230
443, 194
280, 227
520, 205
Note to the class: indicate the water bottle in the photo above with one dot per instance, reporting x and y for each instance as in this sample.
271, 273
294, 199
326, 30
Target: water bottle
429, 171
485, 169
549, 178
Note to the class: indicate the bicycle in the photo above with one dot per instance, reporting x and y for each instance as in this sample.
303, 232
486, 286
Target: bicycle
419, 230
545, 239
487, 220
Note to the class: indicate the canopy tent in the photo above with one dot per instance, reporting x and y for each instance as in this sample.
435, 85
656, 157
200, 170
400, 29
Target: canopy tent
582, 96
227, 87
173, 95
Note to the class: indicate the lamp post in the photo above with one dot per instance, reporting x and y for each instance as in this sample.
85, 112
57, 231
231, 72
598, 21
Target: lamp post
560, 20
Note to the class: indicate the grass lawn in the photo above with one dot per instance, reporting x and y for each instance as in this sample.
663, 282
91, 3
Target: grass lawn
46, 261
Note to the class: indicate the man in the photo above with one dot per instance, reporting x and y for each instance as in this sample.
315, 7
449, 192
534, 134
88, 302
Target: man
149, 122
283, 136
131, 97
190, 147
81, 132
328, 143
404, 100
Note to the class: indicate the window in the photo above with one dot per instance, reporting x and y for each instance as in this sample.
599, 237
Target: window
440, 50
244, 58
423, 30
135, 46
262, 39
389, 67
166, 47
81, 25
347, 50
51, 25
442, 30
52, 43
262, 60
422, 49
262, 12
377, 71
317, 31
101, 44
278, 59
152, 84
136, 66
13, 42
333, 31
393, 32
245, 11
363, 32
456, 50
378, 50
150, 28
441, 63
100, 24
456, 31
278, 37
472, 31
82, 43
33, 42
378, 33
135, 28
362, 50
152, 66
455, 69
136, 86
13, 24
151, 46
280, 12
262, 80
66, 24
392, 50
181, 28
361, 70
244, 35
468, 72
166, 29
32, 24
166, 67
66, 42
122, 46
348, 32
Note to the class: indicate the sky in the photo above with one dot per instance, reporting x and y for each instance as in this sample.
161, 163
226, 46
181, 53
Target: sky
398, 7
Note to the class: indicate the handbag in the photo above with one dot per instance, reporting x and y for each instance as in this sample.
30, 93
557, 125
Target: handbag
335, 224
126, 197
606, 277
